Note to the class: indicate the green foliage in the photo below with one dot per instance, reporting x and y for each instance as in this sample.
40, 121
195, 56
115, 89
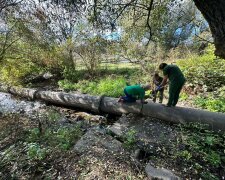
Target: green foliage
28, 59
66, 85
208, 176
70, 74
183, 96
210, 103
204, 70
213, 158
130, 139
35, 149
185, 154
86, 86
206, 74
203, 148
62, 138
35, 152
109, 86
34, 135
14, 70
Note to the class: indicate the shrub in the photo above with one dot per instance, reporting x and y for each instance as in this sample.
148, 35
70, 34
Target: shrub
14, 71
71, 74
204, 70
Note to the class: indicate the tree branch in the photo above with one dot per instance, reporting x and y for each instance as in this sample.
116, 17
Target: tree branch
148, 21
204, 39
4, 5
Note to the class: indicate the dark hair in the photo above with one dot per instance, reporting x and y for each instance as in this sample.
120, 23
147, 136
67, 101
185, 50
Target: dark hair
162, 65
156, 74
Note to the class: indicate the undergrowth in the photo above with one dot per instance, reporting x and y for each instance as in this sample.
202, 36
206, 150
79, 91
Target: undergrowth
211, 104
205, 75
204, 70
197, 153
202, 151
110, 85
33, 147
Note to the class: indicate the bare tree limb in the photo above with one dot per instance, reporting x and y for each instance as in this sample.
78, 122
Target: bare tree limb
204, 39
123, 9
6, 3
148, 21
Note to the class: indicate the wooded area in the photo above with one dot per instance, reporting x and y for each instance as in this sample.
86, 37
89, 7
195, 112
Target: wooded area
96, 49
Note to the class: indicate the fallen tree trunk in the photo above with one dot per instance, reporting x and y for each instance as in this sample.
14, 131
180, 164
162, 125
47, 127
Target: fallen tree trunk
216, 121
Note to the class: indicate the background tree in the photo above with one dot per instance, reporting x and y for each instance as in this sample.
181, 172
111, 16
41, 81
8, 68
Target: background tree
213, 11
8, 3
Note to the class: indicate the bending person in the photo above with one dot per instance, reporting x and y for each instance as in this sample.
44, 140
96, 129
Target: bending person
134, 93
176, 82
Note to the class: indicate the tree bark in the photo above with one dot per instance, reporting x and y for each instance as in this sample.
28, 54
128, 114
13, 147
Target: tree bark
214, 13
111, 106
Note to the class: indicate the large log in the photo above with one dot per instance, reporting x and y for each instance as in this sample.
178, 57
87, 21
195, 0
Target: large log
69, 99
23, 92
216, 121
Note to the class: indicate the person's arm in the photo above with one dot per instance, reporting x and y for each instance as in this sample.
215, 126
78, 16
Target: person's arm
142, 96
164, 81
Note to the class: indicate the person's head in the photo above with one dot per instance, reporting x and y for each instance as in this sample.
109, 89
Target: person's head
156, 75
162, 66
146, 87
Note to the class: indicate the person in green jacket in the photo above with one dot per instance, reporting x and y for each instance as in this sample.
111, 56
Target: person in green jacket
176, 82
134, 93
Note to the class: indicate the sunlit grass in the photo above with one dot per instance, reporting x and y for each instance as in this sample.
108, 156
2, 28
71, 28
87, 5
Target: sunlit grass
112, 66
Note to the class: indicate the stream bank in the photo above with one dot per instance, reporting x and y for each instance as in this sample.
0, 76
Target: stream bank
40, 141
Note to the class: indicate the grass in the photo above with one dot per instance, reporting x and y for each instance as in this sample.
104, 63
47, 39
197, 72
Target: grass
113, 66
109, 82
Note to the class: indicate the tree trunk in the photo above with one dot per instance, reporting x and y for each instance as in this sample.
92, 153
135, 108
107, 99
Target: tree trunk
214, 13
110, 105
71, 60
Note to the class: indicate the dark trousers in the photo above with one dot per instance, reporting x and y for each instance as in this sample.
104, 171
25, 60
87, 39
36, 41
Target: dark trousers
128, 97
155, 92
174, 92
